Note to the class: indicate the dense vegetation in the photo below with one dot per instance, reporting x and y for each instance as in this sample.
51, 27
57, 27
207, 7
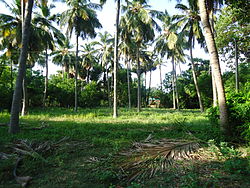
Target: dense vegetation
66, 133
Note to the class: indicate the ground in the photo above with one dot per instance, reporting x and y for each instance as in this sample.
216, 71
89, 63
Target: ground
61, 148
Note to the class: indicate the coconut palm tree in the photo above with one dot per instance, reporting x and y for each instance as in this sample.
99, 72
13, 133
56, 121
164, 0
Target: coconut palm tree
214, 59
171, 44
49, 34
104, 47
189, 21
82, 19
88, 58
139, 23
63, 56
14, 119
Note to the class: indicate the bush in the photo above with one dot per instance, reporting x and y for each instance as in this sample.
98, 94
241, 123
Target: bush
239, 114
90, 96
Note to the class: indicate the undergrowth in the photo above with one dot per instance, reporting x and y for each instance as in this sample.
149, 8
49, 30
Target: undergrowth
88, 155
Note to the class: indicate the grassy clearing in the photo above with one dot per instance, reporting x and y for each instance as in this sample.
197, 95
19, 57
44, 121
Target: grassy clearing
88, 155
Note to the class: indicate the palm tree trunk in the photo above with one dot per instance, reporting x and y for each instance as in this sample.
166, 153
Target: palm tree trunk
108, 85
173, 83
160, 77
128, 80
76, 74
145, 91
25, 97
149, 86
236, 68
139, 80
46, 78
11, 75
14, 118
195, 80
215, 95
176, 88
115, 111
214, 59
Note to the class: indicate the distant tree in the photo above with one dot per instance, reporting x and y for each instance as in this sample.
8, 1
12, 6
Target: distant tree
81, 18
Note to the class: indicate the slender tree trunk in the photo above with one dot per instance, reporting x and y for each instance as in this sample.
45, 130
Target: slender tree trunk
46, 78
145, 90
215, 95
108, 85
160, 77
87, 77
14, 118
214, 59
76, 75
173, 83
149, 86
25, 97
139, 80
11, 75
176, 88
236, 68
128, 80
115, 111
195, 80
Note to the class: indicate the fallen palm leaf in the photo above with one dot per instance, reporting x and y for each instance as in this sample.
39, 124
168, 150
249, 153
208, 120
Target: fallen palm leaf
23, 180
146, 159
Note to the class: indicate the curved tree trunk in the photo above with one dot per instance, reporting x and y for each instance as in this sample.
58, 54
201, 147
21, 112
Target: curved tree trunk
195, 80
14, 118
115, 111
76, 75
46, 78
214, 59
138, 80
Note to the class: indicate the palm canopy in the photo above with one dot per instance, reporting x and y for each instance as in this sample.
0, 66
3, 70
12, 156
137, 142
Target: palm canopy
81, 18
104, 47
138, 21
63, 56
189, 22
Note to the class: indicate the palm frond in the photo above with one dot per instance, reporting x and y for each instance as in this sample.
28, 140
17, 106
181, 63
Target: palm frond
152, 156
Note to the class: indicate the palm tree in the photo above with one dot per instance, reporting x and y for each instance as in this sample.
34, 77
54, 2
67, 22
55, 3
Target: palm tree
214, 59
81, 18
104, 47
49, 34
118, 2
88, 58
63, 56
126, 49
138, 22
14, 119
172, 44
190, 24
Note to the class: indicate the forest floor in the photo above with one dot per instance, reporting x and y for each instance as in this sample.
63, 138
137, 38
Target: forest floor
154, 148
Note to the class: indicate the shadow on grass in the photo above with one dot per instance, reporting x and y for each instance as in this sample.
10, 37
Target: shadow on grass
90, 163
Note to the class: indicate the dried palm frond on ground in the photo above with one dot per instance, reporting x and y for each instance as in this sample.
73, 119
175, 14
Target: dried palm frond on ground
37, 150
148, 158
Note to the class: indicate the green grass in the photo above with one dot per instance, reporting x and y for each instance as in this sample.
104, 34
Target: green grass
88, 157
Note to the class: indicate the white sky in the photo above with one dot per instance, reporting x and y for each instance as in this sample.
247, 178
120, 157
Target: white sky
107, 19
